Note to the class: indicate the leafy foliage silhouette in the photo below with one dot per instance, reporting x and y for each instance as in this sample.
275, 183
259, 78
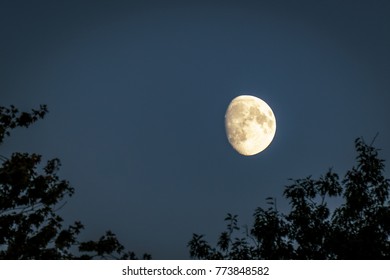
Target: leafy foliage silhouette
359, 228
30, 196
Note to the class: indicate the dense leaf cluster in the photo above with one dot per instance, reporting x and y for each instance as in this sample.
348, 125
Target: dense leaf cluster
359, 228
31, 194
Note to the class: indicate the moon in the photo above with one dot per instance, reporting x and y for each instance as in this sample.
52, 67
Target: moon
250, 124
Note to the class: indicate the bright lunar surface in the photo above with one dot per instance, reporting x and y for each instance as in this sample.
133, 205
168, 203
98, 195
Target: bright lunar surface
250, 124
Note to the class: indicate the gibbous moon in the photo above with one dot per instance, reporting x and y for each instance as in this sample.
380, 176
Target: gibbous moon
250, 124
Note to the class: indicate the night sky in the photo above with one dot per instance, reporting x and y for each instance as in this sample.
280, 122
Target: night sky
137, 93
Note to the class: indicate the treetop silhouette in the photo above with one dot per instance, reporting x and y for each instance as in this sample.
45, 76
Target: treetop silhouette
31, 195
359, 228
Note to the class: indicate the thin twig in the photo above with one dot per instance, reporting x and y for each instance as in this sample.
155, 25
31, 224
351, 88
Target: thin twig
373, 140
59, 208
3, 158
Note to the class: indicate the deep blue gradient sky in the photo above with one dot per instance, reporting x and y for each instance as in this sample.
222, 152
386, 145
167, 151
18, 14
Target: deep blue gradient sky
137, 93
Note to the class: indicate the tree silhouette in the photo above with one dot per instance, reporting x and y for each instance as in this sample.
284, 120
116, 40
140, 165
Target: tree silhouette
359, 228
30, 195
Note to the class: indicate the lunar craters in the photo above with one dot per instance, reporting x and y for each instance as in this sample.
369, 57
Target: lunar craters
236, 123
250, 124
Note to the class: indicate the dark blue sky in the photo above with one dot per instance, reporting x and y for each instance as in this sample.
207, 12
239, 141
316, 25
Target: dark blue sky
137, 93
